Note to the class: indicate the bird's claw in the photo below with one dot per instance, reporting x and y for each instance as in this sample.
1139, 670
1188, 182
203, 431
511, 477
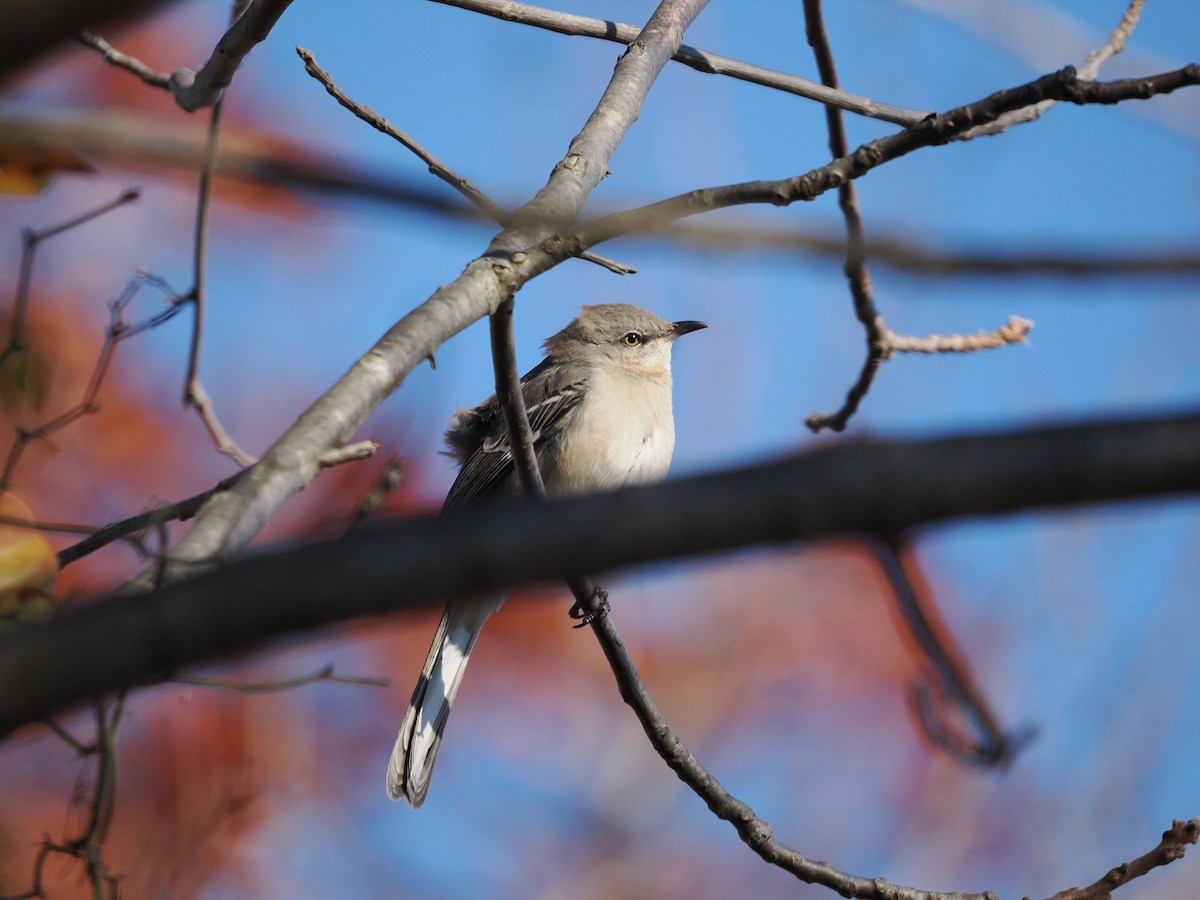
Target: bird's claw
598, 600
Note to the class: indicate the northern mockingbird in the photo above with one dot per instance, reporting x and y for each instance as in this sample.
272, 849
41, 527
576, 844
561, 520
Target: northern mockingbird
599, 407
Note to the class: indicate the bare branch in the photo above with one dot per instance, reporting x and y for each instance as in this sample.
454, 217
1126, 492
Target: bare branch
232, 519
194, 394
181, 510
387, 482
935, 130
1088, 70
271, 687
756, 833
348, 453
855, 267
852, 487
194, 90
31, 241
123, 61
464, 186
1014, 331
118, 331
1174, 843
700, 60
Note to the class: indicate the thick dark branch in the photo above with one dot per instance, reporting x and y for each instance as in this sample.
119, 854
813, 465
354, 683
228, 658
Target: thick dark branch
935, 130
880, 488
700, 60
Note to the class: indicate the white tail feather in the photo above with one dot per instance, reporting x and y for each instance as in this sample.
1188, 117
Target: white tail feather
421, 731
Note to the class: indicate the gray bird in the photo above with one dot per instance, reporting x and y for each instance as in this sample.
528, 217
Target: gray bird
599, 406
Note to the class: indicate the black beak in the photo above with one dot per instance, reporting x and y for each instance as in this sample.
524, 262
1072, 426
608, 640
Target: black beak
678, 329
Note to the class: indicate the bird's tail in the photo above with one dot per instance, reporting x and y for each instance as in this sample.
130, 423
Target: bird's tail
421, 731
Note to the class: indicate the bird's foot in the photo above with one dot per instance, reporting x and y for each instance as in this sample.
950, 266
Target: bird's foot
595, 608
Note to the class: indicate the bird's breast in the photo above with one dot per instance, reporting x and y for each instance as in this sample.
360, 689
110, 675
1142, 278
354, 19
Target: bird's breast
624, 434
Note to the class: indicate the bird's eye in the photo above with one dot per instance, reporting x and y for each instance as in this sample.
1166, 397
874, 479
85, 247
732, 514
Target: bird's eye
633, 339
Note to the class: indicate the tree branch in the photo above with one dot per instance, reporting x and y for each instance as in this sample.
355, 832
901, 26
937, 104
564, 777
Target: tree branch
464, 186
1172, 846
700, 60
226, 524
855, 487
855, 267
935, 130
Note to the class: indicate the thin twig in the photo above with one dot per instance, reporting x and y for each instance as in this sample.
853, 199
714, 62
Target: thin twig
118, 331
464, 186
700, 60
1088, 71
31, 241
87, 847
194, 394
250, 25
168, 512
287, 684
348, 453
756, 833
1173, 845
1014, 331
123, 61
855, 267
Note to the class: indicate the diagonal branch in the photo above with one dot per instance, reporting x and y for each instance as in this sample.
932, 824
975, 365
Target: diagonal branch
464, 186
700, 60
228, 523
932, 131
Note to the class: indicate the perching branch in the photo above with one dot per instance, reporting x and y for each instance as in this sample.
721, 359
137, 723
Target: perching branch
855, 267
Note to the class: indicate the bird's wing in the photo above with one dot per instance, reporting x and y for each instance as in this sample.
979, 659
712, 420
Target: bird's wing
552, 394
